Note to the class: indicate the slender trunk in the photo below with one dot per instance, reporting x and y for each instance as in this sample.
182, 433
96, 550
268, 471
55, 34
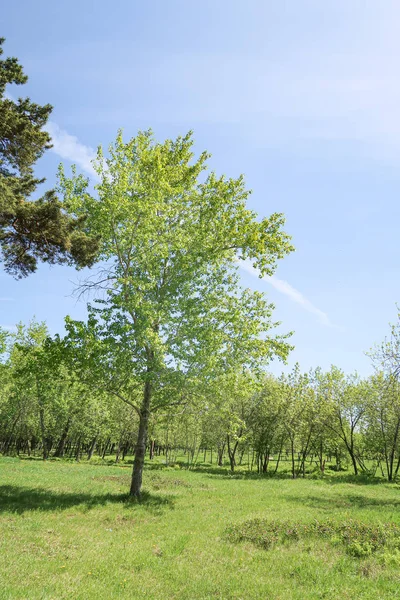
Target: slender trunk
10, 437
393, 451
59, 453
140, 448
293, 459
321, 458
70, 447
105, 449
354, 461
302, 467
151, 450
197, 456
231, 453
265, 461
279, 458
221, 454
125, 450
43, 433
397, 467
78, 449
92, 446
252, 460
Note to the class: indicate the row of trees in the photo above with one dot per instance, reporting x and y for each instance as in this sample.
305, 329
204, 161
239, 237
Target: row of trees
243, 416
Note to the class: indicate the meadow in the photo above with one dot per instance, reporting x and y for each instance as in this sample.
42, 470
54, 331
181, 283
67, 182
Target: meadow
67, 530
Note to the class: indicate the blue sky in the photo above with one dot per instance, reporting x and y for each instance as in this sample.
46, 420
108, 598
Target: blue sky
301, 97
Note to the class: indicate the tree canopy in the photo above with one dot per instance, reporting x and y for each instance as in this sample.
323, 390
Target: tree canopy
172, 310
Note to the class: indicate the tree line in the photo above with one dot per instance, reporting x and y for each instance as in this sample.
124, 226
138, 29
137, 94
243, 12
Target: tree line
299, 421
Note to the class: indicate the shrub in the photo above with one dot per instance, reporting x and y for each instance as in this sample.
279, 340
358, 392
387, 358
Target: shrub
359, 539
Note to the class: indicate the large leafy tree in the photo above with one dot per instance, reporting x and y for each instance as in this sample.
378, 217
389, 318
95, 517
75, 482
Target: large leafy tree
31, 230
171, 238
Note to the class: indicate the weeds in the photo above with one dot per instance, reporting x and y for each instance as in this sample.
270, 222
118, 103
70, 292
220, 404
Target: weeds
359, 539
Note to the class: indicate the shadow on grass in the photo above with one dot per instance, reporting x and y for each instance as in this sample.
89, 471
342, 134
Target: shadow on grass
330, 477
360, 479
22, 499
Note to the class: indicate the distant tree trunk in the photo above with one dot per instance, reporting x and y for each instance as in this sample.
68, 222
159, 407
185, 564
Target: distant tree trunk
220, 451
350, 449
7, 445
119, 447
92, 446
78, 449
265, 461
302, 467
151, 449
232, 452
140, 448
337, 459
105, 448
125, 450
279, 457
321, 458
59, 453
293, 459
43, 433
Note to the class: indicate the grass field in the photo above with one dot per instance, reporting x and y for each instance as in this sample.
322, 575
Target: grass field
67, 531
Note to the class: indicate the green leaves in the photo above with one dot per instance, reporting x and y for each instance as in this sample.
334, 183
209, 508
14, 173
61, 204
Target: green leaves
31, 230
171, 240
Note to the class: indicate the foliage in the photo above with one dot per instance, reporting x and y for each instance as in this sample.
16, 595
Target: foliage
31, 230
359, 539
171, 238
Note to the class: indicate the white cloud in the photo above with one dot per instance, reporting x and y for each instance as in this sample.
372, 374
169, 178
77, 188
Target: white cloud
68, 146
285, 288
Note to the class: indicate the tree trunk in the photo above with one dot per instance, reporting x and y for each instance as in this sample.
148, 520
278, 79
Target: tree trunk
292, 454
140, 448
43, 433
59, 453
105, 449
92, 446
119, 448
10, 437
265, 461
354, 461
151, 449
279, 457
78, 449
220, 451
231, 453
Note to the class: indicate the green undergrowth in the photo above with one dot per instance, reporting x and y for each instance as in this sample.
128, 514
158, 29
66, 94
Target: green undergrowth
359, 539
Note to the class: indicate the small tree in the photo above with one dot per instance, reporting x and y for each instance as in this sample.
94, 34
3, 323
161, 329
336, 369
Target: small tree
171, 238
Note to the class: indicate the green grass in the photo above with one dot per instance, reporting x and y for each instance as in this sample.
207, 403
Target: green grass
67, 531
